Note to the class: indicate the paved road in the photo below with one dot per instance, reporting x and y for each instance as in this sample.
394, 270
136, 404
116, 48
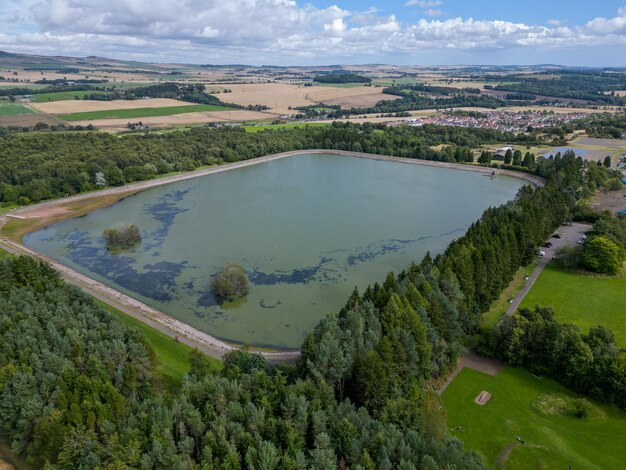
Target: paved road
570, 234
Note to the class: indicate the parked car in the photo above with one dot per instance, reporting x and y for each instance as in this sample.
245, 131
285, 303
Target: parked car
547, 245
556, 235
541, 253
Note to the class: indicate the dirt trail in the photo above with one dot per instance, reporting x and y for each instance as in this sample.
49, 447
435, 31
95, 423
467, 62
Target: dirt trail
157, 319
476, 362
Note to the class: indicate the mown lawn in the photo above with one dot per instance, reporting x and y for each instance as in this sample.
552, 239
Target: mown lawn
142, 112
63, 95
553, 441
172, 356
14, 109
583, 300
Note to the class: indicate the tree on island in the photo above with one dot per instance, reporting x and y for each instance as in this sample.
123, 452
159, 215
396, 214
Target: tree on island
230, 283
122, 236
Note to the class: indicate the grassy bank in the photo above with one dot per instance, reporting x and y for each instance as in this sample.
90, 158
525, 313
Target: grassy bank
172, 356
142, 112
532, 408
14, 229
491, 317
583, 300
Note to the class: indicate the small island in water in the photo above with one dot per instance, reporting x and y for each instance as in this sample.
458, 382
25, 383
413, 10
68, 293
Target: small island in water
122, 236
230, 283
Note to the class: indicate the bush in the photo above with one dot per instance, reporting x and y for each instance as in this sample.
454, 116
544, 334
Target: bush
569, 257
230, 283
122, 236
602, 255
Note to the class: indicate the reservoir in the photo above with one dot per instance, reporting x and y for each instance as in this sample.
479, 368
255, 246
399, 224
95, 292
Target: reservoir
307, 229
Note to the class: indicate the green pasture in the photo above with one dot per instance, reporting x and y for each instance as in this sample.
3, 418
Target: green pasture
581, 299
14, 109
535, 410
64, 95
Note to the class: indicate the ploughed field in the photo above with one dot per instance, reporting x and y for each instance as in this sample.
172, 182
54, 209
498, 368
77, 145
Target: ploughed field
307, 229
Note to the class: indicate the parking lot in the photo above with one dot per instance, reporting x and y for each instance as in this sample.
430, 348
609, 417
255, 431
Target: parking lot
569, 236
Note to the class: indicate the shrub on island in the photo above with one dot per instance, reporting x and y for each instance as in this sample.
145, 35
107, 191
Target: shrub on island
230, 283
121, 236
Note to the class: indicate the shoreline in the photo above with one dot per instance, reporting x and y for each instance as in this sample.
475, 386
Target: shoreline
160, 320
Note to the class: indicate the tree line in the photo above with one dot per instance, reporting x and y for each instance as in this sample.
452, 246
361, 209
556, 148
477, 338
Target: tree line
39, 166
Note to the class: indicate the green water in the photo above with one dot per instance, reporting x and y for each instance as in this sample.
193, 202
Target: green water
306, 229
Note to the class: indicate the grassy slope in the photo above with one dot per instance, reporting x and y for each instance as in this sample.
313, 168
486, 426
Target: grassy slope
63, 95
172, 356
554, 440
142, 112
491, 317
14, 109
583, 300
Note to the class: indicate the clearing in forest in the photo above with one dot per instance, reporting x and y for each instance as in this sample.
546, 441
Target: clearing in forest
529, 423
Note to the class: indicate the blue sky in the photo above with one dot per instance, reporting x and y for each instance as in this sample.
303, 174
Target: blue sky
294, 32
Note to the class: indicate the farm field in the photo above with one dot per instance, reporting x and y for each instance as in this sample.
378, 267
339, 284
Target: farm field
27, 120
338, 85
583, 300
360, 101
525, 406
232, 115
14, 109
141, 112
84, 106
63, 95
279, 97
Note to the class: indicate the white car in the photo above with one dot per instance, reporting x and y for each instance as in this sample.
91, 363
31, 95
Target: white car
541, 253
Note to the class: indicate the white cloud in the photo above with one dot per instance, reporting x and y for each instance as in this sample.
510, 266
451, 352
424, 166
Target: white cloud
554, 22
423, 3
272, 31
433, 12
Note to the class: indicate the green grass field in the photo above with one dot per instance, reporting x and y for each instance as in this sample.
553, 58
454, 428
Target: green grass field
262, 127
583, 300
4, 254
142, 112
14, 109
553, 440
172, 356
339, 85
63, 95
491, 317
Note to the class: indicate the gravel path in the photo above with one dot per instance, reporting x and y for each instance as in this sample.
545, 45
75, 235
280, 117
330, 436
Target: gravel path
476, 362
